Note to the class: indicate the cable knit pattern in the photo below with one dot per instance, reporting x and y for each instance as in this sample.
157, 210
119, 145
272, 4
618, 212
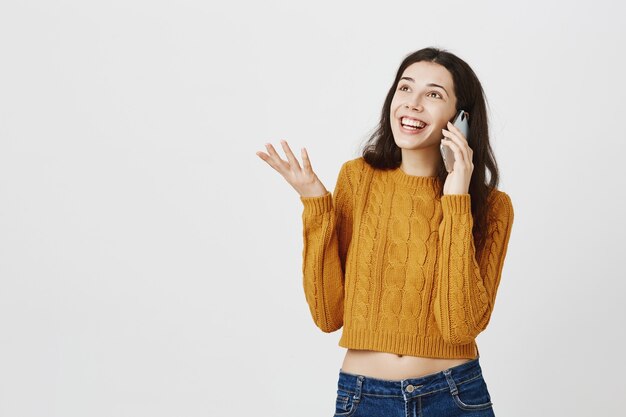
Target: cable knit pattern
396, 266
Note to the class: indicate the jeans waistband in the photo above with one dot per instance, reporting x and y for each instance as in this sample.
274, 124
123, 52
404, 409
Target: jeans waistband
411, 387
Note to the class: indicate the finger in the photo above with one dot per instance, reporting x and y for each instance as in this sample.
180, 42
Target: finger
267, 159
290, 156
458, 155
264, 156
462, 141
457, 131
274, 155
274, 159
306, 162
448, 135
459, 143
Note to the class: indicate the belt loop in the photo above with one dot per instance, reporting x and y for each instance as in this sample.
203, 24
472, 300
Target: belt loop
359, 385
451, 383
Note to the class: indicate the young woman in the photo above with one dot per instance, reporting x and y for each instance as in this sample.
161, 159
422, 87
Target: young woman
404, 255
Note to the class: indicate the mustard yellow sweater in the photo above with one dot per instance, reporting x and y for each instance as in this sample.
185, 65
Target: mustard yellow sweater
395, 265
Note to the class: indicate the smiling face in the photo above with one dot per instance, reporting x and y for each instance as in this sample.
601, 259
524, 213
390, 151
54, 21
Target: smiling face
425, 96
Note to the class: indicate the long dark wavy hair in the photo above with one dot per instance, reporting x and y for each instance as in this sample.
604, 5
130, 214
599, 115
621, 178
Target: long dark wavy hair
380, 150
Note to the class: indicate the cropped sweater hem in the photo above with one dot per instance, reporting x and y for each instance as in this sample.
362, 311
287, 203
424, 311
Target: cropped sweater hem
405, 344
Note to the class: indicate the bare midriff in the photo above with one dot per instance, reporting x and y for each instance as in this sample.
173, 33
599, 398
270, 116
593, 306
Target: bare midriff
391, 366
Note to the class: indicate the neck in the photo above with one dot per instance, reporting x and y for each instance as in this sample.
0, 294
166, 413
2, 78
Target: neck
421, 162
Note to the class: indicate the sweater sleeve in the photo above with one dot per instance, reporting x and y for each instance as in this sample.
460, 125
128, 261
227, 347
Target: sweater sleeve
466, 287
327, 231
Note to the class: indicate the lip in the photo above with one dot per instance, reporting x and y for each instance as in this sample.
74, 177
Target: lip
411, 132
412, 118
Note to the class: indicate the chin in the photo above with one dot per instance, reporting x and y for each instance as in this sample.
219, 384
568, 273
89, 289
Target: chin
407, 142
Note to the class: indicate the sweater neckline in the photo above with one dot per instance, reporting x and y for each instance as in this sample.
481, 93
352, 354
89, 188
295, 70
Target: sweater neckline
413, 180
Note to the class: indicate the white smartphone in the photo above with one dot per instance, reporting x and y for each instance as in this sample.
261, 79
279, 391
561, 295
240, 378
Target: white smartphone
461, 122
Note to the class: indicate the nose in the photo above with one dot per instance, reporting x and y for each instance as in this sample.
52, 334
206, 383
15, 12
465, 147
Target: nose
417, 107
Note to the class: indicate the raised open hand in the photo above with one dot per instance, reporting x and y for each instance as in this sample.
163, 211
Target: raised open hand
302, 179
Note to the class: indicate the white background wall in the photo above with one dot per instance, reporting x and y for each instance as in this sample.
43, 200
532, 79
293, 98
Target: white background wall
150, 262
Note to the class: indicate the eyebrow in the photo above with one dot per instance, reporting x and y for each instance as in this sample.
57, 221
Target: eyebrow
428, 85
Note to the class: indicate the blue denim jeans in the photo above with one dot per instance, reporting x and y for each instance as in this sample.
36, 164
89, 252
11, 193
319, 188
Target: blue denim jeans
457, 391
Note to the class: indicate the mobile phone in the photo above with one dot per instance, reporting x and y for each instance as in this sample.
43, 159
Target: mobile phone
461, 122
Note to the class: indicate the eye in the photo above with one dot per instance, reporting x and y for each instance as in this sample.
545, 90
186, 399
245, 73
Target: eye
401, 88
440, 96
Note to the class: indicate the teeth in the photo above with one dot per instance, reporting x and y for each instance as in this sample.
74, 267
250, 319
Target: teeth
414, 123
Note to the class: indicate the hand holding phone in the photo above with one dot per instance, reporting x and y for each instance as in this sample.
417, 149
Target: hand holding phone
461, 122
